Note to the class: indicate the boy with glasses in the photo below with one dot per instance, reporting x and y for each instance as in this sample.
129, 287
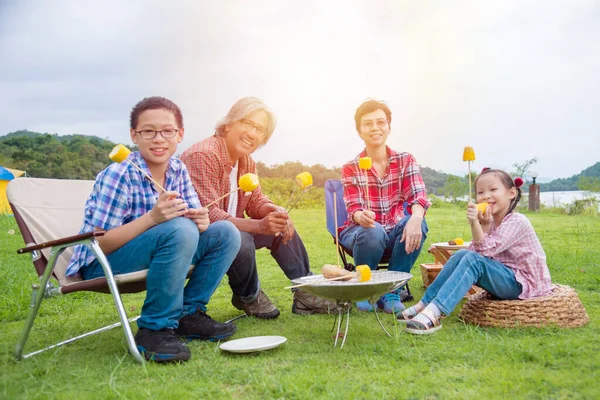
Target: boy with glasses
163, 232
377, 222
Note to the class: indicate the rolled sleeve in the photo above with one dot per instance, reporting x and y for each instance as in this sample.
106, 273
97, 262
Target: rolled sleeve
257, 200
352, 195
414, 186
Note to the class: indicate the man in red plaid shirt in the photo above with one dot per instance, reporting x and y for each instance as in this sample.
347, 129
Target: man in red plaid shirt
215, 165
375, 199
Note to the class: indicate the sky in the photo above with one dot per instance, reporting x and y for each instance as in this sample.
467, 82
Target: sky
513, 79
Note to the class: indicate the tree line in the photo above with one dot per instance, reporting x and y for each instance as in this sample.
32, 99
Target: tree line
45, 155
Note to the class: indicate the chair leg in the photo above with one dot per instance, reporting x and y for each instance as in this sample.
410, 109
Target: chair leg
71, 340
36, 301
409, 296
347, 265
114, 290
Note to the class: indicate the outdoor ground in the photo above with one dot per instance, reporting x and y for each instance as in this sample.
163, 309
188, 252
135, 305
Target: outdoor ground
460, 361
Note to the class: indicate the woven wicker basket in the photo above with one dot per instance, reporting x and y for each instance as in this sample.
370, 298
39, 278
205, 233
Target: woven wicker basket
561, 307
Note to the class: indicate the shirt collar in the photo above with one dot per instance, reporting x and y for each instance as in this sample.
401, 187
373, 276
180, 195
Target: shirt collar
222, 145
392, 155
170, 175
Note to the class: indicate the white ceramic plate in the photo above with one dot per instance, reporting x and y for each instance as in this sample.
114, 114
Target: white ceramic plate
446, 246
252, 344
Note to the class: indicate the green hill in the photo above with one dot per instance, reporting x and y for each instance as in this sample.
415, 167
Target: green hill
45, 155
566, 184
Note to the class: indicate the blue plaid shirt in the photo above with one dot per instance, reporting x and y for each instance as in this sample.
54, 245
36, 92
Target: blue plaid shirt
123, 194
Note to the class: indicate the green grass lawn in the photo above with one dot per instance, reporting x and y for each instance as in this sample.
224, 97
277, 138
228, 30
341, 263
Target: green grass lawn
460, 361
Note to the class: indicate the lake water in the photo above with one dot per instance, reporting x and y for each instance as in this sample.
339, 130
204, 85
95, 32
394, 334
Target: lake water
551, 199
561, 198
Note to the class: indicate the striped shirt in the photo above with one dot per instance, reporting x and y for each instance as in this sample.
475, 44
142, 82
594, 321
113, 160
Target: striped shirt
515, 244
210, 166
123, 194
401, 182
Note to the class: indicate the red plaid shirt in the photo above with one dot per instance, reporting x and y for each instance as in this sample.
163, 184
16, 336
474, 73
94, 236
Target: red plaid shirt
209, 166
401, 182
515, 244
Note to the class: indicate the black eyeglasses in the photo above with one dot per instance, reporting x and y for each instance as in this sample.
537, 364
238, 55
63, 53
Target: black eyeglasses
151, 134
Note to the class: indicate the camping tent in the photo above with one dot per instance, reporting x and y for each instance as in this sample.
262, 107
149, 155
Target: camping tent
6, 175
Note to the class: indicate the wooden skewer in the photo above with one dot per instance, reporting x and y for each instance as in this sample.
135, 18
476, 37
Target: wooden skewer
337, 278
367, 190
225, 195
337, 239
146, 175
470, 192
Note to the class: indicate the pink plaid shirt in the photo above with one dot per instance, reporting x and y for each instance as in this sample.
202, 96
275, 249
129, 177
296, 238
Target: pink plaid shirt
209, 167
515, 244
401, 182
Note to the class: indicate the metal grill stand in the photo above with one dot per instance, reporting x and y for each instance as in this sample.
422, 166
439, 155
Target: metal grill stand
345, 293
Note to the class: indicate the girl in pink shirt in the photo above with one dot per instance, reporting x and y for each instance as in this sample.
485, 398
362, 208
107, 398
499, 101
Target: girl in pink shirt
505, 257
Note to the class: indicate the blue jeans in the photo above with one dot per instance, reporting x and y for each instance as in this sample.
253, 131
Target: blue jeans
167, 251
467, 268
369, 244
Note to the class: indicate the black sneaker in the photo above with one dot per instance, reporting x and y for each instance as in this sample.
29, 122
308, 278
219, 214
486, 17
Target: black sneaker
202, 327
161, 346
261, 307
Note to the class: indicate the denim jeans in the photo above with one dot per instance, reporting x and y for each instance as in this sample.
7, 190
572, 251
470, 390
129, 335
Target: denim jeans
467, 268
243, 274
167, 250
369, 244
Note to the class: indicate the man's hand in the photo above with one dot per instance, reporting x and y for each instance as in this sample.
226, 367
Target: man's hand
289, 232
200, 217
365, 218
273, 223
168, 206
412, 234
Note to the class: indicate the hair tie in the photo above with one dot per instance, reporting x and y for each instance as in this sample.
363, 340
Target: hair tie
518, 182
485, 169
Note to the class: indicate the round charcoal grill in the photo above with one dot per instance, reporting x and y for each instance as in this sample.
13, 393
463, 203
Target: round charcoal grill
344, 293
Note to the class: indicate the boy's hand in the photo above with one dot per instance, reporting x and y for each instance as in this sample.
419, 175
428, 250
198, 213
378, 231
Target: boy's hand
168, 206
200, 217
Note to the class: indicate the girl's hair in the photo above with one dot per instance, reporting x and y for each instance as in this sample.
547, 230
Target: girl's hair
241, 109
508, 183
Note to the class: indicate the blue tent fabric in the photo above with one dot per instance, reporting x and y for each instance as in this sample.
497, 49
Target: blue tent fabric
6, 175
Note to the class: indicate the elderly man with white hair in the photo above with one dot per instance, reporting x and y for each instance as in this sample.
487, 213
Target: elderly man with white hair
215, 165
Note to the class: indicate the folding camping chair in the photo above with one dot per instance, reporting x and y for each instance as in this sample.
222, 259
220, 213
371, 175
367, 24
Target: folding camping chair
47, 211
335, 186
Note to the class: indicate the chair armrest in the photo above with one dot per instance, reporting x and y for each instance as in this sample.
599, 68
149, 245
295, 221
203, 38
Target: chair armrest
69, 239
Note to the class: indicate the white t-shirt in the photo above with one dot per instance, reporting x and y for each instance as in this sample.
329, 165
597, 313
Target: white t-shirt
233, 184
